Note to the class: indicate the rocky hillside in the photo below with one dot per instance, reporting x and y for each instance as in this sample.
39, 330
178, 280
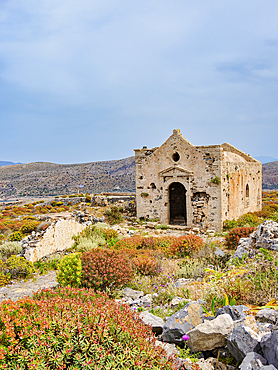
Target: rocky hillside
270, 175
43, 178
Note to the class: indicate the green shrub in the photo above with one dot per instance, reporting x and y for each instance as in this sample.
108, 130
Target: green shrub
53, 203
191, 268
9, 249
49, 264
234, 235
16, 236
162, 227
88, 199
86, 244
114, 215
101, 225
29, 227
76, 329
58, 204
216, 180
249, 220
105, 269
110, 234
70, 271
17, 267
88, 239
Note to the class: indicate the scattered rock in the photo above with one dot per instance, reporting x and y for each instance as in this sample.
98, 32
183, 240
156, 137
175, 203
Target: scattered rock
210, 334
205, 365
252, 361
269, 346
213, 361
219, 253
266, 235
176, 301
242, 341
236, 312
267, 315
182, 322
240, 252
181, 282
169, 348
247, 321
154, 321
133, 294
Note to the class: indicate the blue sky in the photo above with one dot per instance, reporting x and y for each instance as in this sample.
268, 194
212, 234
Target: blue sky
91, 80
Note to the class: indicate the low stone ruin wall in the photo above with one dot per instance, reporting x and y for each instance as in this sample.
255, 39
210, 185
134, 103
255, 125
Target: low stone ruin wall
57, 237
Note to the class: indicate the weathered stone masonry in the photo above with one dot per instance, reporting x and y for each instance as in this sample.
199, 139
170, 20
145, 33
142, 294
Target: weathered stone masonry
180, 183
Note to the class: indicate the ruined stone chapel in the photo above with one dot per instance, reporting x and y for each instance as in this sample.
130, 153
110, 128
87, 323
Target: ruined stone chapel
196, 186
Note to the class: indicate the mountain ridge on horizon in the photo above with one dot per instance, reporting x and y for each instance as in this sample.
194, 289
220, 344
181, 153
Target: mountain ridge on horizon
50, 179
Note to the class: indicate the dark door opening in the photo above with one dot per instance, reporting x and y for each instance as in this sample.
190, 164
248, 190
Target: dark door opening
177, 200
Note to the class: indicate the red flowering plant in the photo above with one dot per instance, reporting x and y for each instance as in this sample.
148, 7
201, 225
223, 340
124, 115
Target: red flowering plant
234, 235
183, 246
145, 264
76, 329
105, 269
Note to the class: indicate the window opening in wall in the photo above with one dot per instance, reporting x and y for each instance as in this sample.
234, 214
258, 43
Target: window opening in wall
176, 157
247, 191
152, 186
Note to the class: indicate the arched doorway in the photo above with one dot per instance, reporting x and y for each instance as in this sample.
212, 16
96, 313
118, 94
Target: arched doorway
177, 201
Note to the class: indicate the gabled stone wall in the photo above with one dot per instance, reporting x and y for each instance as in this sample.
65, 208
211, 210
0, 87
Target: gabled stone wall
200, 173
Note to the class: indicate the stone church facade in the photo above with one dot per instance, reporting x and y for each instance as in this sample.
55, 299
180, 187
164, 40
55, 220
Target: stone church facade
196, 186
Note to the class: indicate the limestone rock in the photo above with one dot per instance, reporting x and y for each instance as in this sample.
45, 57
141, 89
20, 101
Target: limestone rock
252, 361
213, 361
210, 334
267, 315
269, 345
181, 282
236, 312
154, 321
133, 294
242, 341
169, 348
240, 252
247, 321
182, 322
266, 235
176, 301
205, 365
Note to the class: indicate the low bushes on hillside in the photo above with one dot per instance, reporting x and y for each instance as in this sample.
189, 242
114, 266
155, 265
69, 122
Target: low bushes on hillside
114, 215
76, 329
9, 249
171, 246
235, 234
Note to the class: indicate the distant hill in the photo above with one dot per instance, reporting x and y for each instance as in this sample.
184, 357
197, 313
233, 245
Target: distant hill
43, 178
264, 159
5, 163
270, 175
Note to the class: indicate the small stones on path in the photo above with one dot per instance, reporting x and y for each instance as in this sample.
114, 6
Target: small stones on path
21, 289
